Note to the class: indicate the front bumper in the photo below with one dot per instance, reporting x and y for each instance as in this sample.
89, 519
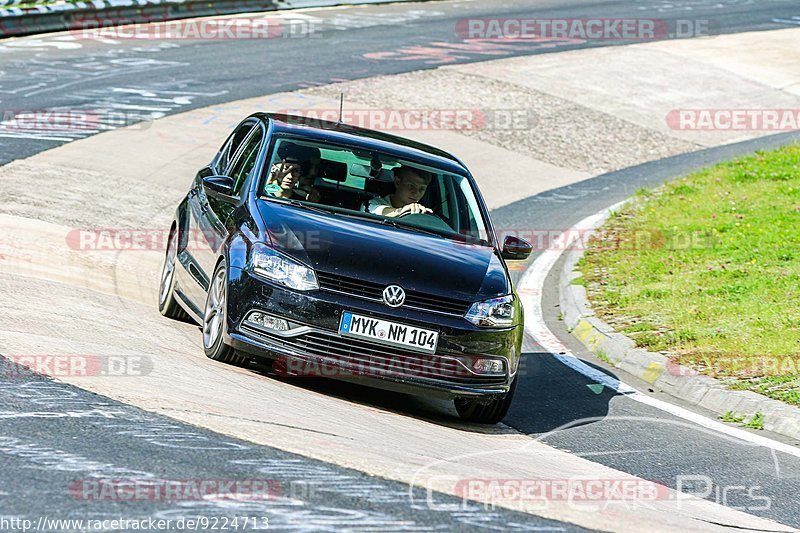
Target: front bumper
314, 347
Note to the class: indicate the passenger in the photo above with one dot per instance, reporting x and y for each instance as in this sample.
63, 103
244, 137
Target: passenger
294, 176
410, 185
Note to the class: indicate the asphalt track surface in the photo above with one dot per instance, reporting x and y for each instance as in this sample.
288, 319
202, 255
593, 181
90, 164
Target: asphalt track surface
143, 78
79, 436
553, 403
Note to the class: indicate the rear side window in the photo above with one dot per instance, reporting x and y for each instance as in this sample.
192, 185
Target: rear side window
246, 160
223, 159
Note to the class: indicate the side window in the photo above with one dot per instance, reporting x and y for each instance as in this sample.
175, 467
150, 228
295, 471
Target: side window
225, 155
245, 160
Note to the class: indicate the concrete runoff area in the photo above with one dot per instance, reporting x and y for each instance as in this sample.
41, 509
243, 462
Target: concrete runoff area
603, 109
112, 294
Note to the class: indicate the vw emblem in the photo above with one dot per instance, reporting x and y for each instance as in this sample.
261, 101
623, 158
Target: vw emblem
394, 295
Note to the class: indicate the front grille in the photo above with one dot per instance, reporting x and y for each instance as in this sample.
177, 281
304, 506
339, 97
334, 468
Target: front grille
359, 357
374, 291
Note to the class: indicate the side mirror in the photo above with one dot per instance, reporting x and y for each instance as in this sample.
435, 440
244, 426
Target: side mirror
218, 185
515, 248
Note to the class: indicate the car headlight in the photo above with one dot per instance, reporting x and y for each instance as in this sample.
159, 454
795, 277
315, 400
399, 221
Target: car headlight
279, 268
493, 313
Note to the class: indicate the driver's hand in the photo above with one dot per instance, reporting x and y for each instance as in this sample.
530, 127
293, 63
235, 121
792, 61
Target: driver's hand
313, 195
414, 209
281, 170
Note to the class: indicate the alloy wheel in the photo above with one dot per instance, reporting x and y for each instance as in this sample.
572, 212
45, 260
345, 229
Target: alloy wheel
169, 268
215, 310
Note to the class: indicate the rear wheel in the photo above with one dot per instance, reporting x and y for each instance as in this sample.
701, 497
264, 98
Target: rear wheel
214, 320
167, 304
482, 411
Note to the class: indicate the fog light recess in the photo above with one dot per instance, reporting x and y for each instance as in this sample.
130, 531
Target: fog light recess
267, 322
488, 366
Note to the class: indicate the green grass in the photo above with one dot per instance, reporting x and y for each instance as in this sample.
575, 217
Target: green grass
732, 417
757, 422
26, 5
785, 388
707, 269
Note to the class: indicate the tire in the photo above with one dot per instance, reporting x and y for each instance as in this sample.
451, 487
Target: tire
167, 304
482, 411
214, 320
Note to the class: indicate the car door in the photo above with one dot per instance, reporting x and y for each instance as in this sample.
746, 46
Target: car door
208, 215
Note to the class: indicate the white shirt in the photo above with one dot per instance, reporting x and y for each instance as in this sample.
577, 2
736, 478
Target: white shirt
379, 204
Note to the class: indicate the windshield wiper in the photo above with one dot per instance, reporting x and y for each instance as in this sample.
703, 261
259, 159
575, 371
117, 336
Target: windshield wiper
298, 203
393, 223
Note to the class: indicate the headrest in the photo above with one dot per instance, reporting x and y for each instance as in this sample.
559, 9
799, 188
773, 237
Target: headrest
333, 170
295, 153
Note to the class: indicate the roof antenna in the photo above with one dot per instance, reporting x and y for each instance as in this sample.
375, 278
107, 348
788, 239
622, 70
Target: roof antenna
341, 106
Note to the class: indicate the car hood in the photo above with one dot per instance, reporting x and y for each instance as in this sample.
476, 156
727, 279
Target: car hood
369, 251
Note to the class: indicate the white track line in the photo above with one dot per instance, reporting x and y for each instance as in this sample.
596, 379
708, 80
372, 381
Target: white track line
530, 290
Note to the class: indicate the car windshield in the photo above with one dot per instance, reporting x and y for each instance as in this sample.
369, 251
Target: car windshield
374, 186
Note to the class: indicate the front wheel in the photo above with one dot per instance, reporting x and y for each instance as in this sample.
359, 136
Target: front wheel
481, 411
214, 320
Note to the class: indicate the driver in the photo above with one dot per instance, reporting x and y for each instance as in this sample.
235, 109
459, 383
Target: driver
410, 185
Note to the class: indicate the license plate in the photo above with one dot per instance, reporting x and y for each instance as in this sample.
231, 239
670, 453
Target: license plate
389, 333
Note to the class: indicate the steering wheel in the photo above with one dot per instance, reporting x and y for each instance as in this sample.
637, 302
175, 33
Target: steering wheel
427, 220
408, 213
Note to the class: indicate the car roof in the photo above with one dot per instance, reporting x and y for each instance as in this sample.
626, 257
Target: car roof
340, 133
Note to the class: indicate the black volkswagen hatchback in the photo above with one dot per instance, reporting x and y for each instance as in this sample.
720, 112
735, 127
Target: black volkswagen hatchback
293, 244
